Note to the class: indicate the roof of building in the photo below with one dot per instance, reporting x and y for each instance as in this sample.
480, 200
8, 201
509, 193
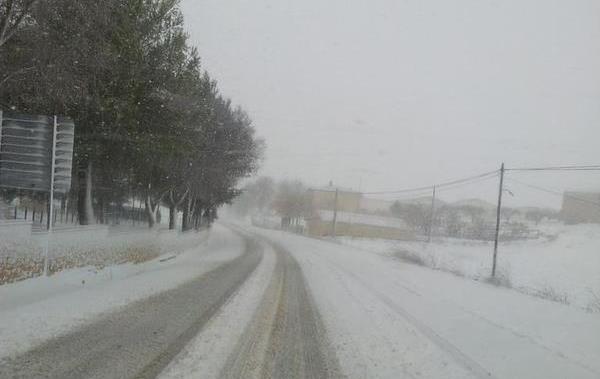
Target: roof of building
332, 189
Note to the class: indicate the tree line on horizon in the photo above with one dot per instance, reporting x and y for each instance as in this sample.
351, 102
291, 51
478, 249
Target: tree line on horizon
151, 124
291, 201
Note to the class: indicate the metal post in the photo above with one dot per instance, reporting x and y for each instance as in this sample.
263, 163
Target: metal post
51, 208
432, 212
500, 189
1, 120
335, 205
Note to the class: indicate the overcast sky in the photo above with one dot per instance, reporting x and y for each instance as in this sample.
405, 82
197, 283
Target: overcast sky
385, 94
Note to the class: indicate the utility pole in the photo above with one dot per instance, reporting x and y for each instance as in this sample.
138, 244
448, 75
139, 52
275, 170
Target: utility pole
335, 206
500, 189
432, 212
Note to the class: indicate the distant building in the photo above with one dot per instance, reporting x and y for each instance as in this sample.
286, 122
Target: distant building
352, 218
581, 207
324, 198
370, 205
357, 225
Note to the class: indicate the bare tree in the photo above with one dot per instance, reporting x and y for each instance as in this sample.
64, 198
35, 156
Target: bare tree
291, 202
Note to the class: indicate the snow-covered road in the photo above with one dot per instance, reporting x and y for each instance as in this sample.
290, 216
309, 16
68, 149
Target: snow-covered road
389, 319
294, 307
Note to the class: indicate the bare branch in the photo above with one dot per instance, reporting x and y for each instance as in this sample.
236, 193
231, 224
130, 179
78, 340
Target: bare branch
8, 30
12, 75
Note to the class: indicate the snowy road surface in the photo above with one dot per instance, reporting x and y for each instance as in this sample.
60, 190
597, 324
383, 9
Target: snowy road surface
275, 305
139, 340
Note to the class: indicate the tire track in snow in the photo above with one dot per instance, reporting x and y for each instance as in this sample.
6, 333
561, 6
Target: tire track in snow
140, 339
360, 303
452, 350
286, 338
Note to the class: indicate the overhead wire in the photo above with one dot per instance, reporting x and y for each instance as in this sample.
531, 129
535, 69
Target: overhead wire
557, 168
474, 181
554, 192
439, 185
448, 185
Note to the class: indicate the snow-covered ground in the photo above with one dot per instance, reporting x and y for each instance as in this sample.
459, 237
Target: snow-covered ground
37, 309
22, 252
562, 266
390, 319
385, 318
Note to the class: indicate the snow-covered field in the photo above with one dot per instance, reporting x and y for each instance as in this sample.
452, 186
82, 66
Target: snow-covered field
34, 310
562, 266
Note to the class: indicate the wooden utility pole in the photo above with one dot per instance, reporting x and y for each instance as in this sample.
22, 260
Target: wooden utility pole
431, 214
335, 205
500, 190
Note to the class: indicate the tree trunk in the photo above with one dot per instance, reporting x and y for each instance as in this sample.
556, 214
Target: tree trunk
151, 212
100, 209
197, 217
85, 210
63, 207
185, 221
172, 214
207, 217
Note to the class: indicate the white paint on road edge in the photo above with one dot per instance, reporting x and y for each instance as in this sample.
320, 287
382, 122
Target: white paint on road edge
206, 354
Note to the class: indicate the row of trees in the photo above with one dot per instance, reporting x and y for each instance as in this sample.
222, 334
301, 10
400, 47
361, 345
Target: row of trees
466, 221
150, 123
288, 199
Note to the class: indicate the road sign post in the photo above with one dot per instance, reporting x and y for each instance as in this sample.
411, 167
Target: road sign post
51, 196
36, 154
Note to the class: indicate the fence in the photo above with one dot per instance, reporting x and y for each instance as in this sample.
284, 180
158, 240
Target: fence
36, 213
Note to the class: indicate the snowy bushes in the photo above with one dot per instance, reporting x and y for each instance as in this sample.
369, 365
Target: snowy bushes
414, 258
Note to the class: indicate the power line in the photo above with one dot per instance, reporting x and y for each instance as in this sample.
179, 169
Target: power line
554, 192
456, 182
427, 193
474, 181
557, 168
